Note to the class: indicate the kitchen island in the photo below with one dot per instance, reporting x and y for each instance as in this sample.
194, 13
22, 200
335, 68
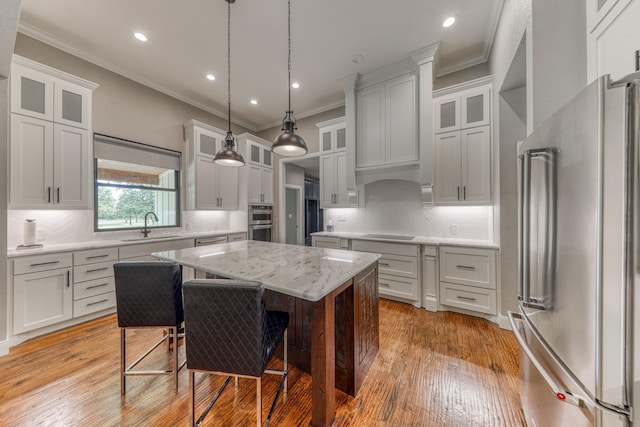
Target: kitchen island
331, 296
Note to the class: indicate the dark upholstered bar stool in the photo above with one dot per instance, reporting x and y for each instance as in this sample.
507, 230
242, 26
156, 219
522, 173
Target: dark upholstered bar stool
149, 295
229, 332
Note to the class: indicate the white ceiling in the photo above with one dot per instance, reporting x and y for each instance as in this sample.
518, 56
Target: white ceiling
188, 39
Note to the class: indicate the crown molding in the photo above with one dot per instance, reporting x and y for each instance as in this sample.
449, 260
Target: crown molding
397, 69
51, 40
302, 115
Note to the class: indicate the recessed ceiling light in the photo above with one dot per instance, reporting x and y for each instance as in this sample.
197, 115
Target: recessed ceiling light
357, 58
211, 77
449, 21
254, 101
140, 37
295, 85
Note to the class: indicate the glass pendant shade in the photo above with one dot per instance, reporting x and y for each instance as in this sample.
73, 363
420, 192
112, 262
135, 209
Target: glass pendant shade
228, 156
289, 144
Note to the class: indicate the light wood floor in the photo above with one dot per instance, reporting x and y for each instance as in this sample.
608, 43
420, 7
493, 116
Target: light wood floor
433, 369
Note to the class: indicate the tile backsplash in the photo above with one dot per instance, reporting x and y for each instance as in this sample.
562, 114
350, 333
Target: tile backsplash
395, 207
67, 226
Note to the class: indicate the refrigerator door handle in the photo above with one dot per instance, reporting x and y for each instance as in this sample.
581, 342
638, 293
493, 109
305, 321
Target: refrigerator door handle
521, 226
562, 394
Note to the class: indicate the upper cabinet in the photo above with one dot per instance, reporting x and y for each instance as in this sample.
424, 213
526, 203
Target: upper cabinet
387, 130
469, 108
333, 164
258, 177
209, 186
462, 145
50, 147
40, 95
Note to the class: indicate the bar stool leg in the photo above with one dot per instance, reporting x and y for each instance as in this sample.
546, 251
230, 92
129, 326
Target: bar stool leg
175, 359
192, 398
123, 365
259, 402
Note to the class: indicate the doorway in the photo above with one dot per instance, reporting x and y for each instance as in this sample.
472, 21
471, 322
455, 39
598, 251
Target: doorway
293, 213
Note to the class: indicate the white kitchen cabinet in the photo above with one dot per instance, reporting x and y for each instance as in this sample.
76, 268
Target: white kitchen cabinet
398, 269
93, 281
50, 150
259, 169
462, 110
333, 164
463, 166
468, 279
42, 291
327, 242
209, 186
387, 124
49, 164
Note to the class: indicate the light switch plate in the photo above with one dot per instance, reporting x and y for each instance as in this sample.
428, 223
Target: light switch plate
453, 229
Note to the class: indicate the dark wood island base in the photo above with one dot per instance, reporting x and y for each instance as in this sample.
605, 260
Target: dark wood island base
356, 328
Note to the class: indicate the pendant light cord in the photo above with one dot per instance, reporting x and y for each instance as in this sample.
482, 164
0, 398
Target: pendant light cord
289, 61
229, 61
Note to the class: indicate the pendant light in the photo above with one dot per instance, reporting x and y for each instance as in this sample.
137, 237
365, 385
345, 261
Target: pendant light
228, 156
288, 143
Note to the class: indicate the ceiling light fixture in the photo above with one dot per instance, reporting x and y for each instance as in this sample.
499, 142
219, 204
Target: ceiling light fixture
228, 156
254, 102
295, 85
449, 21
358, 58
288, 143
140, 37
211, 77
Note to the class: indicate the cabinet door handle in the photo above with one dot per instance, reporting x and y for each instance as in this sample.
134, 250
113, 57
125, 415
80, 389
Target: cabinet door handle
97, 286
68, 279
58, 194
465, 267
464, 192
44, 263
97, 302
458, 190
49, 194
97, 269
97, 256
466, 298
386, 285
383, 263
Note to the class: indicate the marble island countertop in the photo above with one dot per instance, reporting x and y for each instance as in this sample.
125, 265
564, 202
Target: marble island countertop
154, 236
414, 240
302, 271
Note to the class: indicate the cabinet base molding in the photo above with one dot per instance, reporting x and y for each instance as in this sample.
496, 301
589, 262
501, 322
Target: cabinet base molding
414, 303
4, 348
504, 323
18, 339
431, 304
490, 317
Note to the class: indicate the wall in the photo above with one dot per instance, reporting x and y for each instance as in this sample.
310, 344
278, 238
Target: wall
125, 109
465, 75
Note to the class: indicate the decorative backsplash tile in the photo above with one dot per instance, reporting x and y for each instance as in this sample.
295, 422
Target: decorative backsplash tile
395, 207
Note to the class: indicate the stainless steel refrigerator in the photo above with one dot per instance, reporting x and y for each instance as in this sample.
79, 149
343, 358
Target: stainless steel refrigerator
579, 261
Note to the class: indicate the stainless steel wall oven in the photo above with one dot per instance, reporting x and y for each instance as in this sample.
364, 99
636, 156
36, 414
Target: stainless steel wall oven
260, 222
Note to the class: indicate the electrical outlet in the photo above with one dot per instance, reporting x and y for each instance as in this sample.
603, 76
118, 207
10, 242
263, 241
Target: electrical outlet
342, 218
453, 229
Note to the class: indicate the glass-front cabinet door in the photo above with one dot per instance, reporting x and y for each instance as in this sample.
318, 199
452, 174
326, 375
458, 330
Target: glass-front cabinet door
31, 93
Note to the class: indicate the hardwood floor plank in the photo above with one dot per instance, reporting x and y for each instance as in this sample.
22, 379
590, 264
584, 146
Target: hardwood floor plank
432, 369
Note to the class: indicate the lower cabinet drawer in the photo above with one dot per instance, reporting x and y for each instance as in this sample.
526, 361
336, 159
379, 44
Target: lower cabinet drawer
468, 297
93, 304
398, 265
401, 287
93, 287
99, 270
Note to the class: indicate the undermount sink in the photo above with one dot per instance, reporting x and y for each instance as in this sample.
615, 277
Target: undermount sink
142, 239
389, 236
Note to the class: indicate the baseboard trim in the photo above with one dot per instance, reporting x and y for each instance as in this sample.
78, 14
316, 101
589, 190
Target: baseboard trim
430, 304
4, 348
504, 323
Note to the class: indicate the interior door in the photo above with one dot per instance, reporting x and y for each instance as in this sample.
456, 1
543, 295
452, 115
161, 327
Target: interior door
292, 210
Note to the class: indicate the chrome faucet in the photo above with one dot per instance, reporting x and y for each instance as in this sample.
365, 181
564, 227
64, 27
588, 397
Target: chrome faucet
145, 231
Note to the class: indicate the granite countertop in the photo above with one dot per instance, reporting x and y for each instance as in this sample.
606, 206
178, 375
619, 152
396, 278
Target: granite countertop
106, 243
416, 240
301, 271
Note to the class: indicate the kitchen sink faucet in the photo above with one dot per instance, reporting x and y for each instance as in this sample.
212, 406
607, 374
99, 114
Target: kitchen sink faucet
145, 231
